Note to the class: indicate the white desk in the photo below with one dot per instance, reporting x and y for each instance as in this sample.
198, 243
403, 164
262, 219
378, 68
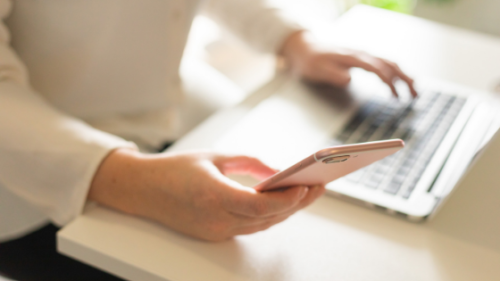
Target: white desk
331, 240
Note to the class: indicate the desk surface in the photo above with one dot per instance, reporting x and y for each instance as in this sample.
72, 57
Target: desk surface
330, 240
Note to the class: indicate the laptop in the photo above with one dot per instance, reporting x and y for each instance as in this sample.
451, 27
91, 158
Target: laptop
443, 129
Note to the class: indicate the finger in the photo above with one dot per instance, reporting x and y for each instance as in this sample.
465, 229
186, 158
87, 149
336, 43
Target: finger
372, 64
386, 74
313, 193
259, 227
250, 229
244, 165
405, 78
251, 203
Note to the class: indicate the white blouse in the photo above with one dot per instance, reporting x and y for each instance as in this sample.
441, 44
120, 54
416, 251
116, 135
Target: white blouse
88, 62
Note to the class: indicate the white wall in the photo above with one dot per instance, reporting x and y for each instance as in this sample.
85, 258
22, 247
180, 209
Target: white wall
479, 15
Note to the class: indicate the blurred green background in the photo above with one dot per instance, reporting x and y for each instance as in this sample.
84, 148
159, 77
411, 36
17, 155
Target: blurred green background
402, 6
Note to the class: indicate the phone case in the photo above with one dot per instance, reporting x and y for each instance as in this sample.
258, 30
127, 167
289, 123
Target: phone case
331, 163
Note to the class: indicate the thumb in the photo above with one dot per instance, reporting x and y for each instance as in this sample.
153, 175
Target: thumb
243, 165
251, 203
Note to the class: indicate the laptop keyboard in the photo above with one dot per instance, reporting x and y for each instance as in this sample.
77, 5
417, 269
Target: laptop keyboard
421, 123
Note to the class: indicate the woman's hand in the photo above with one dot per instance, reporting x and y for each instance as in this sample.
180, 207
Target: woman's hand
332, 65
190, 193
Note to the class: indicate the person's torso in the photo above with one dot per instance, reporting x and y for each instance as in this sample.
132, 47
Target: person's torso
98, 58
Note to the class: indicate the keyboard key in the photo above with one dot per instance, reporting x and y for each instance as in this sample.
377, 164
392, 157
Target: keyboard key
363, 113
407, 193
393, 188
371, 184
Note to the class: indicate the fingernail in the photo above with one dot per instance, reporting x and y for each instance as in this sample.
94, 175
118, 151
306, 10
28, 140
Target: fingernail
303, 192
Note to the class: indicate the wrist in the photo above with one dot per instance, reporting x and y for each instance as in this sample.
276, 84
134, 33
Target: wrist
296, 48
115, 181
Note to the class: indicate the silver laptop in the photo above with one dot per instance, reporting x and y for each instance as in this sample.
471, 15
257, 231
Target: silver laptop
443, 129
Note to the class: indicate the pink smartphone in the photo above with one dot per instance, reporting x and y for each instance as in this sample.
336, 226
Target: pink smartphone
331, 163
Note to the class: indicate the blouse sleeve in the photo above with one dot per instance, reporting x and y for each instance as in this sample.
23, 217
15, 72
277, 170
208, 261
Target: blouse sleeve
47, 158
255, 21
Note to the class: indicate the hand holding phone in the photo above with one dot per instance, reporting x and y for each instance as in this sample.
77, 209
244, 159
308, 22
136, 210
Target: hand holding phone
331, 163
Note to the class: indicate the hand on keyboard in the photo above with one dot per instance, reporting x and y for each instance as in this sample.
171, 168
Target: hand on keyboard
332, 65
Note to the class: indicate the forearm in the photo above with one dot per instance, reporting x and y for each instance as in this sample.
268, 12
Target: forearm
135, 183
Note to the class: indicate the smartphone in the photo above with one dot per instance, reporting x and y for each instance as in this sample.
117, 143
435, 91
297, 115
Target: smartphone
331, 163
